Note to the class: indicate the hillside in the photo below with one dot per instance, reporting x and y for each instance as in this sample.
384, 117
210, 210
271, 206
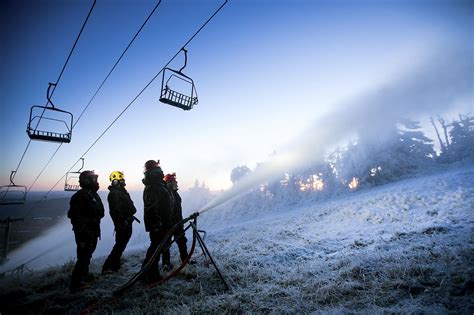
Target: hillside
402, 247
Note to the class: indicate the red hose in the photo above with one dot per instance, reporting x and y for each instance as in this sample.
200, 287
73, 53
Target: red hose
177, 270
114, 299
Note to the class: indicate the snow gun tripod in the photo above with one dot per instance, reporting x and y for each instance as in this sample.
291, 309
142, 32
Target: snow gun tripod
165, 244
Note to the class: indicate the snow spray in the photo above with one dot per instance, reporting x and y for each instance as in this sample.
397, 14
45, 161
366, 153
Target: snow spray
442, 81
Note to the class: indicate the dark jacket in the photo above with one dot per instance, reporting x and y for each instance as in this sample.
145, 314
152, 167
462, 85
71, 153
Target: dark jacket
85, 211
177, 209
157, 202
121, 206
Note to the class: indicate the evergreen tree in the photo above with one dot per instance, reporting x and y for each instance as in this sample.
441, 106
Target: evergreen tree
462, 139
375, 160
238, 173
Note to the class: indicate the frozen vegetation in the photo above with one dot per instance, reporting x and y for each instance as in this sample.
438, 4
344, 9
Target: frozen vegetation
404, 247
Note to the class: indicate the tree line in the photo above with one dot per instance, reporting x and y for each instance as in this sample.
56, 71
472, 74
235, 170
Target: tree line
369, 160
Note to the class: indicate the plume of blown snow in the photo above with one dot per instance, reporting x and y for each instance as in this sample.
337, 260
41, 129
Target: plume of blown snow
434, 86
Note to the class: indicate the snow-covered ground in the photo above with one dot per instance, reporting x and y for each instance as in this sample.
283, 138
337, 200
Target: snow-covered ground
404, 247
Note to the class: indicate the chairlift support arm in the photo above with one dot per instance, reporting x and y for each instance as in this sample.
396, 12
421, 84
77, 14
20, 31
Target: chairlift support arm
48, 94
12, 175
185, 59
82, 165
49, 108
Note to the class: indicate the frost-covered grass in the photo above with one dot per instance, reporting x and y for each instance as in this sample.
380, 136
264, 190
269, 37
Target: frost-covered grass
407, 247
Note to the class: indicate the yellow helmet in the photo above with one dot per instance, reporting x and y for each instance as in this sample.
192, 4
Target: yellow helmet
116, 175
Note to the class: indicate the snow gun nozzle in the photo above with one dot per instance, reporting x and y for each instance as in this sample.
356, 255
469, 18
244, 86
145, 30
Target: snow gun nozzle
191, 217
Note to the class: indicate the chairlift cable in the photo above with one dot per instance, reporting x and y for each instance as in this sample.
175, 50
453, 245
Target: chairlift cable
48, 96
36, 204
118, 60
134, 99
59, 78
73, 47
98, 89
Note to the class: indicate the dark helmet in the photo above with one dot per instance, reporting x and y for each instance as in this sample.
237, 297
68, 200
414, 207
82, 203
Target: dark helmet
88, 179
151, 164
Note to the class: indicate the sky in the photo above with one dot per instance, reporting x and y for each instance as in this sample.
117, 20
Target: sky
264, 71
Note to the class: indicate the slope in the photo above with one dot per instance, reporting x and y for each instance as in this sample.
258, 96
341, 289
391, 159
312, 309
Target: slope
403, 247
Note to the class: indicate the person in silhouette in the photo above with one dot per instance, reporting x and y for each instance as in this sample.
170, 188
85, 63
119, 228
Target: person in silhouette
85, 211
158, 209
179, 234
122, 212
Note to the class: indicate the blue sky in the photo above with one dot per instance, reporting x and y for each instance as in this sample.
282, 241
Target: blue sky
264, 71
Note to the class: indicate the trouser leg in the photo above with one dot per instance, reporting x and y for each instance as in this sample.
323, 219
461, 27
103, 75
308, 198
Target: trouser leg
86, 244
166, 258
122, 236
155, 240
181, 240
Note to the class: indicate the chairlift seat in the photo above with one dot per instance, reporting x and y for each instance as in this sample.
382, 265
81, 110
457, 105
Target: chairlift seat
12, 201
174, 98
49, 136
69, 187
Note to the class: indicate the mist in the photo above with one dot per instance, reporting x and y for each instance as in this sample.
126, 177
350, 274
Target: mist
441, 83
57, 245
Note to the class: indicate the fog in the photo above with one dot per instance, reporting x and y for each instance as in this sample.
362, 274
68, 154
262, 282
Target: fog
57, 245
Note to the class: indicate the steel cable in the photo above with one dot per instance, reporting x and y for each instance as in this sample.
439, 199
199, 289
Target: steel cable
59, 78
133, 100
97, 91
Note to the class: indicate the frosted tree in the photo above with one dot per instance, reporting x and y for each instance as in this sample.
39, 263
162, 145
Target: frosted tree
238, 173
462, 139
415, 148
374, 159
195, 197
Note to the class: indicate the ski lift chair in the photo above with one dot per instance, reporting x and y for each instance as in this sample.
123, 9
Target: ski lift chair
170, 95
53, 116
71, 182
12, 194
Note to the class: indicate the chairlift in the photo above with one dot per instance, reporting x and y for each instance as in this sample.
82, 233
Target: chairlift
58, 122
184, 98
12, 194
72, 179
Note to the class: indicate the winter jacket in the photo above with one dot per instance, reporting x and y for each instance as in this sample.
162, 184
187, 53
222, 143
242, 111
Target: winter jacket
157, 202
121, 206
85, 211
177, 209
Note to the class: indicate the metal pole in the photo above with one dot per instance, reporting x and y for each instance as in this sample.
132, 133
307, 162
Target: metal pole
203, 246
6, 240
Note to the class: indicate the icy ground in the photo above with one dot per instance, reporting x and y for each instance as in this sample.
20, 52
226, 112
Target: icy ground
405, 247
